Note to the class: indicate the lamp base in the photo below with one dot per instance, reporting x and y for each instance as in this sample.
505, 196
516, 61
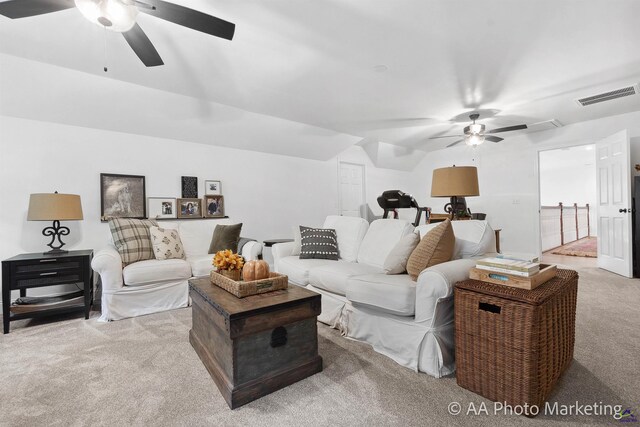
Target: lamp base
456, 208
55, 231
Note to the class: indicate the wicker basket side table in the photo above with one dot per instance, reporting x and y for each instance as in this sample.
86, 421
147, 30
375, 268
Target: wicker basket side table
512, 345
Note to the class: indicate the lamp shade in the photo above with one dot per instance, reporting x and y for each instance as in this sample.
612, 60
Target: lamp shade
54, 206
459, 181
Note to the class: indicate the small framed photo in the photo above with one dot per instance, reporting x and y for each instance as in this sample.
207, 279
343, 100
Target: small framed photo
161, 207
189, 208
213, 206
212, 188
122, 196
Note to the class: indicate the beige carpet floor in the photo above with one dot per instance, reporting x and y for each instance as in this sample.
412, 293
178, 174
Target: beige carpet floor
143, 371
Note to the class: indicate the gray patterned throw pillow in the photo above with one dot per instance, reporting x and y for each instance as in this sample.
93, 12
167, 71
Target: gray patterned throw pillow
318, 243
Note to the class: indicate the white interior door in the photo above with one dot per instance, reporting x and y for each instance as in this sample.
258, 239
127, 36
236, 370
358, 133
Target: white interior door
352, 200
614, 204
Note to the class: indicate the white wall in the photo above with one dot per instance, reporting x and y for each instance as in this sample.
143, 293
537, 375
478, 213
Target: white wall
568, 175
508, 174
268, 193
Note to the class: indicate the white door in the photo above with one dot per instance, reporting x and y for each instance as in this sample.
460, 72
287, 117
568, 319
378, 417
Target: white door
614, 204
352, 201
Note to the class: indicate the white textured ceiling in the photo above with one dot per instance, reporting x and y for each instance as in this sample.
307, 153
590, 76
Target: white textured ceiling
315, 63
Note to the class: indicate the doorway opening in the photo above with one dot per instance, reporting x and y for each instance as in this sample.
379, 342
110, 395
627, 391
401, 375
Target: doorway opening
568, 195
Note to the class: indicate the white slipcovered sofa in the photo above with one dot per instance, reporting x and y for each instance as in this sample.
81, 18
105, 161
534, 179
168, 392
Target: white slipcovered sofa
151, 286
410, 322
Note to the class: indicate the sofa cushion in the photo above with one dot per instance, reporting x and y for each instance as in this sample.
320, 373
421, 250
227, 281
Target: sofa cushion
298, 269
473, 237
166, 243
350, 231
318, 243
201, 265
196, 234
396, 261
394, 294
333, 277
381, 237
225, 237
132, 239
155, 271
434, 248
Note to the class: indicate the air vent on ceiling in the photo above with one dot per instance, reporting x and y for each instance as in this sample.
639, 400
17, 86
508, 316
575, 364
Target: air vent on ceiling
608, 96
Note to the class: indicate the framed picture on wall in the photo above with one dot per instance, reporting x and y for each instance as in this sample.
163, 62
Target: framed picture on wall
161, 207
189, 208
189, 187
122, 196
213, 206
212, 188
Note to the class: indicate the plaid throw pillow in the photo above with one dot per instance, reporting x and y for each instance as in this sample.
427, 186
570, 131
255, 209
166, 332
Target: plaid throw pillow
318, 243
132, 239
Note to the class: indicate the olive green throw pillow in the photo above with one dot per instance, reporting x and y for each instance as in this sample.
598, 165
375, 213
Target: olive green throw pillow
434, 248
225, 237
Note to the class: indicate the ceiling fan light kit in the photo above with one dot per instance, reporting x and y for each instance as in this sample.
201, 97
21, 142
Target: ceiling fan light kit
114, 15
474, 140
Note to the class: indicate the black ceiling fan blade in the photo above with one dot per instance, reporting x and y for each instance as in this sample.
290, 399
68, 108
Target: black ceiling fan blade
507, 129
455, 143
446, 136
493, 138
142, 46
15, 9
190, 18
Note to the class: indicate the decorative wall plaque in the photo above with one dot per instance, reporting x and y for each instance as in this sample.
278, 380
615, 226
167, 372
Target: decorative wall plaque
189, 187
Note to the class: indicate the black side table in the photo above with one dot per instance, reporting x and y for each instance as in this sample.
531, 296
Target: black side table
38, 270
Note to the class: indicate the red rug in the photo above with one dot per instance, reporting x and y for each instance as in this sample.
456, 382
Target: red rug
586, 247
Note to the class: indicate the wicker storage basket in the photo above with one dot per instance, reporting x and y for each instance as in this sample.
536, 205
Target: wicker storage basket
274, 282
512, 344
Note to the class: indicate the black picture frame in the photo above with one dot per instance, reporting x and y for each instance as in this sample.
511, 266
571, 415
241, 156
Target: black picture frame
122, 196
189, 187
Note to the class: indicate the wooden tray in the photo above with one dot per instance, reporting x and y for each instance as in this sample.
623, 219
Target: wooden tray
274, 282
546, 273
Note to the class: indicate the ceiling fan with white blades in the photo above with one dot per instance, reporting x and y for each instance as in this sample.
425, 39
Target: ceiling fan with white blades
120, 16
475, 134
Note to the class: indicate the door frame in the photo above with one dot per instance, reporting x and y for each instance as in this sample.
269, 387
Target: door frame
364, 183
537, 176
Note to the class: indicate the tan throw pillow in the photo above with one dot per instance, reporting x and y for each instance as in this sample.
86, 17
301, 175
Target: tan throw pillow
132, 239
435, 248
166, 243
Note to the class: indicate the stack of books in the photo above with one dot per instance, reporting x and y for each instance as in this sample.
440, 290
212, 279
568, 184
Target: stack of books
517, 267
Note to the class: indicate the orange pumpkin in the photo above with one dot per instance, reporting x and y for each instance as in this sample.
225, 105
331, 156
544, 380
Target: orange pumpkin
255, 270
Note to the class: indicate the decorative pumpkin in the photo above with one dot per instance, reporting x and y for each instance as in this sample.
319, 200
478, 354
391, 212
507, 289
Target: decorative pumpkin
255, 270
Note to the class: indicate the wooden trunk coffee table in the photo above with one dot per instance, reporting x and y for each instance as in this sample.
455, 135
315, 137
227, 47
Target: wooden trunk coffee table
255, 345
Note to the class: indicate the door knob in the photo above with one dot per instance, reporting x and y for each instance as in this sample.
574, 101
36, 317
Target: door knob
625, 210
